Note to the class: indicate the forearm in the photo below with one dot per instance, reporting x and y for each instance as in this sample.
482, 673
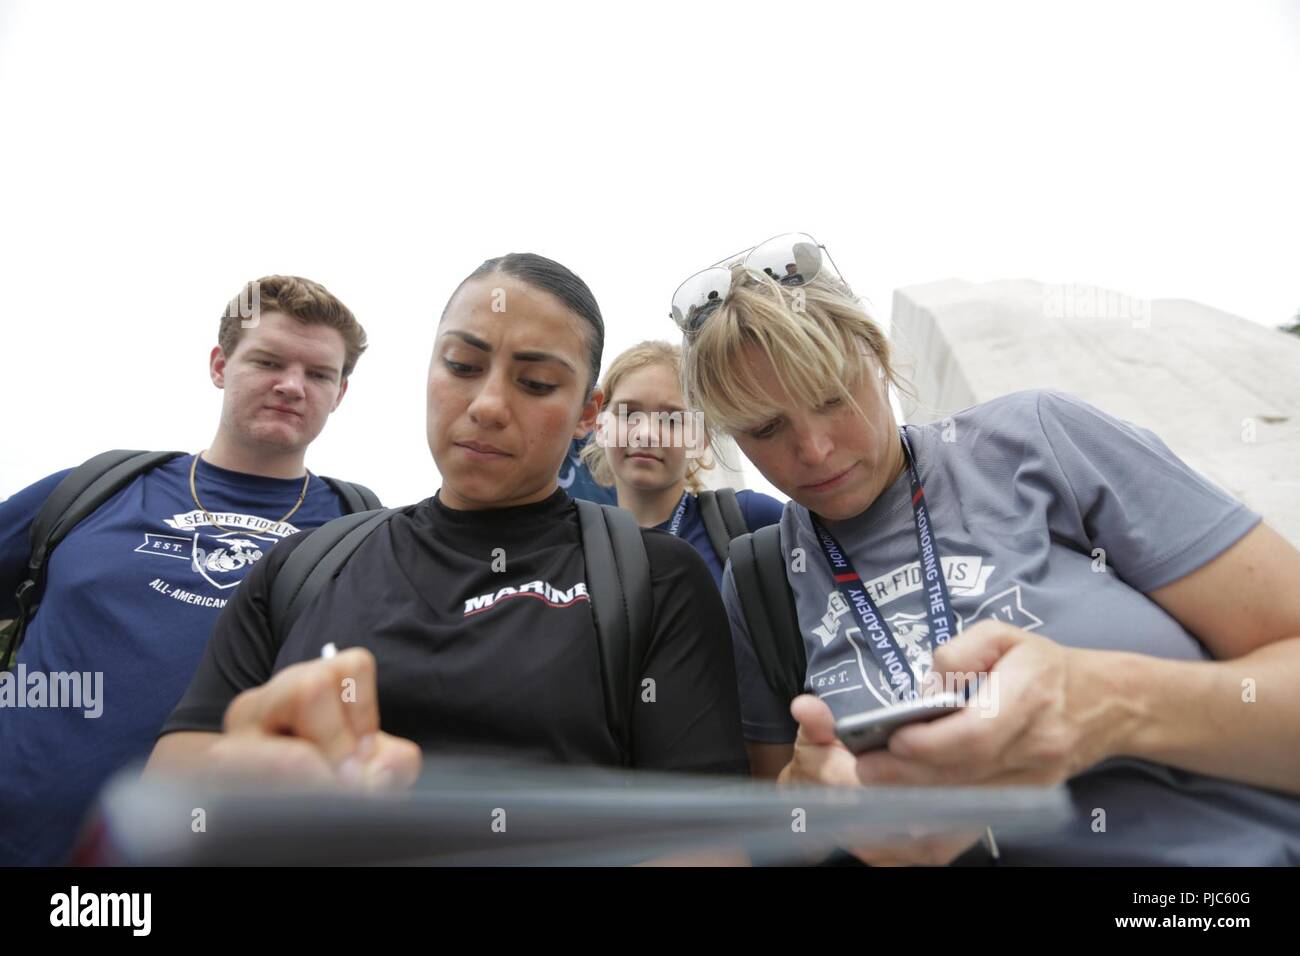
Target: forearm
1238, 719
180, 752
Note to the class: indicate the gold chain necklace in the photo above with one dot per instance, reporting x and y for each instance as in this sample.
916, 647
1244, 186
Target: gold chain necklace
207, 514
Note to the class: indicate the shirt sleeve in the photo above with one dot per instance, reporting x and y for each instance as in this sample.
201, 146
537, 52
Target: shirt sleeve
693, 721
764, 716
17, 513
241, 651
759, 510
1155, 518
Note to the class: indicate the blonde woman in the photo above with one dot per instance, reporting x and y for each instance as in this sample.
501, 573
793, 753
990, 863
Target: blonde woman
1141, 627
650, 448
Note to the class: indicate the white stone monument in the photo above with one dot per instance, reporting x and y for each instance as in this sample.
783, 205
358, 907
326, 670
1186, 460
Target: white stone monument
1221, 391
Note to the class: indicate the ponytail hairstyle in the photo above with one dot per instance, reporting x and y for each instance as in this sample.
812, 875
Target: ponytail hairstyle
547, 275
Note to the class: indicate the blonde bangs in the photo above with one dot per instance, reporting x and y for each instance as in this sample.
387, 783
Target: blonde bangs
818, 339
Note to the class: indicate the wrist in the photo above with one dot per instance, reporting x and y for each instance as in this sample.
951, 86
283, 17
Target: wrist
1114, 689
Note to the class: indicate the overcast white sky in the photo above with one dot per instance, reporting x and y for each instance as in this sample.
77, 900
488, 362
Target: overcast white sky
155, 156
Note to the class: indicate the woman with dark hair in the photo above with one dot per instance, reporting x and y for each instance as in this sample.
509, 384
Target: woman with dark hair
429, 615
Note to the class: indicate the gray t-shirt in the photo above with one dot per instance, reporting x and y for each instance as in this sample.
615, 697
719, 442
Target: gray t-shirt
1057, 518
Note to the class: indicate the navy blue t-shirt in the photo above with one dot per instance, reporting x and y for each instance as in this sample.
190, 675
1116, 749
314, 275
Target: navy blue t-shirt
577, 481
131, 596
759, 510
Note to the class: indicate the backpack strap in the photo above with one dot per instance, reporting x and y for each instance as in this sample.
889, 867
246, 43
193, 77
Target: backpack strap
618, 586
758, 567
723, 519
732, 516
312, 564
355, 497
73, 499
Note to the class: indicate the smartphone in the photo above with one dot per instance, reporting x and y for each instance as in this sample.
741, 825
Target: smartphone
871, 729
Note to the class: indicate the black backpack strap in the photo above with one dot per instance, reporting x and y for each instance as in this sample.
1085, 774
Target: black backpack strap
758, 567
618, 586
732, 516
723, 519
73, 499
83, 490
714, 527
313, 563
355, 497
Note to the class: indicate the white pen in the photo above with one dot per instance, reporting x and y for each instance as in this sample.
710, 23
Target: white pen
992, 844
329, 650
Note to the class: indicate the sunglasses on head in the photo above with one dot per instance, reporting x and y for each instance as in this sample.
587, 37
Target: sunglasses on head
793, 258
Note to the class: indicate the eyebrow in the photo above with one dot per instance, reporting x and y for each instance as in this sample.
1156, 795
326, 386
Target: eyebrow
529, 355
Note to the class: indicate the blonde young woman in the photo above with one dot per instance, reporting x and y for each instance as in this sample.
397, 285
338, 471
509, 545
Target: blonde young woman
1159, 683
651, 448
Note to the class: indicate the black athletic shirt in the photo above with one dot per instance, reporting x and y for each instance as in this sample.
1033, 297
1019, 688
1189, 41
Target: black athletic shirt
479, 649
